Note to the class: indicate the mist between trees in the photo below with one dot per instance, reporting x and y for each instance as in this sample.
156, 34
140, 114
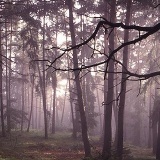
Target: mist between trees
90, 68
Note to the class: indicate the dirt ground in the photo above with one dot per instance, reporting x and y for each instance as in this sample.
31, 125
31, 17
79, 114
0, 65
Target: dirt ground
61, 146
29, 146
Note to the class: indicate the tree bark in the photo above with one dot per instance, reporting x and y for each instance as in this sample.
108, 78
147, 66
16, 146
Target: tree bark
99, 111
23, 85
108, 101
22, 113
7, 82
39, 117
54, 86
150, 121
84, 128
64, 103
1, 92
30, 115
44, 81
123, 86
36, 117
158, 139
54, 109
74, 132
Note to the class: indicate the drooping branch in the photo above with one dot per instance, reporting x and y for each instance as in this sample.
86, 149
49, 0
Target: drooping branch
149, 30
102, 24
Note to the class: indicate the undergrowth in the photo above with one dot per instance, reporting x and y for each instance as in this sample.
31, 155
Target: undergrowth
60, 146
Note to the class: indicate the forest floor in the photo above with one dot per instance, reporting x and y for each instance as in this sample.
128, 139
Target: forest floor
32, 146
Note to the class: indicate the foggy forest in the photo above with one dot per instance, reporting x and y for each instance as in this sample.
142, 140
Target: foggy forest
79, 80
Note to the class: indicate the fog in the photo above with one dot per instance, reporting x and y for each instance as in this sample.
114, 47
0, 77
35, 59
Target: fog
80, 74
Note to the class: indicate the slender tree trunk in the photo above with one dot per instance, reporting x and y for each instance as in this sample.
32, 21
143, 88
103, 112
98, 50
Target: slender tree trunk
63, 108
31, 111
6, 44
9, 99
123, 86
154, 135
115, 110
158, 136
137, 125
39, 118
54, 86
8, 88
158, 139
44, 103
150, 122
8, 81
1, 92
99, 110
28, 97
108, 101
54, 111
43, 87
36, 117
154, 122
74, 132
57, 117
43, 80
22, 113
84, 128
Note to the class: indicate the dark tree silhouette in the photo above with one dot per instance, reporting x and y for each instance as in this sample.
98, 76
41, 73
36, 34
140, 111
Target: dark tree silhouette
84, 128
123, 86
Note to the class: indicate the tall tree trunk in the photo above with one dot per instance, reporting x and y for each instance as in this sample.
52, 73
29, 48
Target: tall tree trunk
137, 124
9, 87
36, 116
22, 113
150, 121
74, 133
154, 133
123, 86
31, 111
99, 110
63, 107
154, 125
108, 101
158, 139
6, 48
84, 128
1, 92
39, 117
54, 83
43, 79
115, 110
43, 87
54, 86
43, 83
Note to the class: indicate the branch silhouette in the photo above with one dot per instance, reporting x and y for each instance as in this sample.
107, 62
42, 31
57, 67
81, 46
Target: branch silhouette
102, 24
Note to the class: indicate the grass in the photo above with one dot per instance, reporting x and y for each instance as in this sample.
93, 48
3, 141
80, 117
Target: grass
61, 146
28, 146
142, 153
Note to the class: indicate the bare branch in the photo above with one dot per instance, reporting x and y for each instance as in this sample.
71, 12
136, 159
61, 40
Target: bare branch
149, 31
